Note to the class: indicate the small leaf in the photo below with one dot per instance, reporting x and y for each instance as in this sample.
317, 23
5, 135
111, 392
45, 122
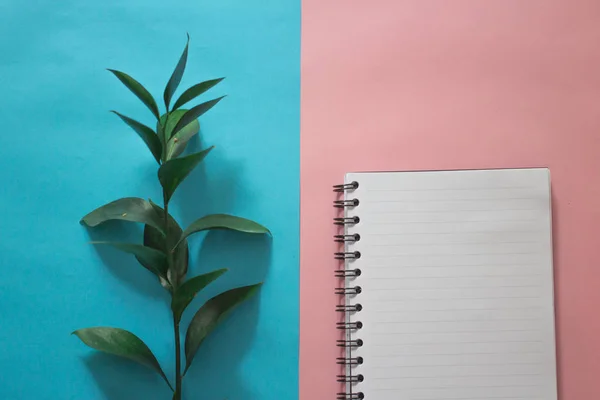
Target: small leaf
188, 290
154, 239
157, 240
210, 314
148, 135
137, 89
195, 113
224, 221
122, 343
174, 117
174, 171
195, 91
176, 76
176, 144
131, 209
153, 260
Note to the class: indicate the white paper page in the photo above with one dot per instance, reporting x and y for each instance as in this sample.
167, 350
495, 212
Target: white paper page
457, 285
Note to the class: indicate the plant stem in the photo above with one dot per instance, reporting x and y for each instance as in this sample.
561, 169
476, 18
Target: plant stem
178, 378
175, 284
173, 279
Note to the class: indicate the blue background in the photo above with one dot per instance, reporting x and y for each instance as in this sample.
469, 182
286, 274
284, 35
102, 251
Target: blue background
62, 154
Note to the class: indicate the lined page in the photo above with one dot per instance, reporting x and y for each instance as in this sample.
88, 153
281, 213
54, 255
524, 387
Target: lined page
457, 285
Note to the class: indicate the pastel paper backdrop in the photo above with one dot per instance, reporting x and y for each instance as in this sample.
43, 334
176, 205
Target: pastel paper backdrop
63, 154
409, 85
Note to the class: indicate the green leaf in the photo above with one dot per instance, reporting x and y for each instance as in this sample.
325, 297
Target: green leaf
153, 260
174, 171
131, 209
195, 91
176, 76
210, 314
195, 113
148, 135
154, 239
174, 117
157, 240
122, 343
188, 290
224, 221
137, 89
176, 144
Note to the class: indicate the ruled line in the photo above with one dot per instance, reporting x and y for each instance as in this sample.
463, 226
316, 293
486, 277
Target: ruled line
401, 223
448, 200
454, 342
442, 365
371, 189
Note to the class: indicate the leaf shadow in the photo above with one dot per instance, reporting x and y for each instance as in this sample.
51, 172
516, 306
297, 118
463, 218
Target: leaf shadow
220, 377
202, 193
247, 258
125, 380
122, 265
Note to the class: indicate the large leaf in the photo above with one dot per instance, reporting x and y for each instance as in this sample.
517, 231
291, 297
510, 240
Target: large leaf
224, 221
131, 209
195, 113
122, 343
210, 314
137, 89
174, 171
176, 144
155, 239
195, 91
152, 259
176, 76
147, 134
187, 291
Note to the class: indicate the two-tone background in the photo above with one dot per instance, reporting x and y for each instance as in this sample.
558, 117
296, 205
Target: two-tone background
315, 89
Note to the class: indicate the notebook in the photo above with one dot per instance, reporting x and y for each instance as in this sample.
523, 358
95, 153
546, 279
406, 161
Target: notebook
446, 285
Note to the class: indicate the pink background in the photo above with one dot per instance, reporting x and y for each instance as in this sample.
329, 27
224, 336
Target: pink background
420, 84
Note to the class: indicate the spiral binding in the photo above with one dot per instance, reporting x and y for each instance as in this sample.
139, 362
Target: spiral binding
349, 310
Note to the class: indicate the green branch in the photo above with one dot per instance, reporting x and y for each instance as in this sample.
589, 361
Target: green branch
165, 251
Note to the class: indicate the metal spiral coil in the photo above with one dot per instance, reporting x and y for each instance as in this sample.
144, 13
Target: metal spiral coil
349, 327
350, 396
354, 326
347, 238
353, 290
345, 273
346, 186
351, 308
346, 220
349, 361
350, 378
347, 255
346, 203
350, 343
